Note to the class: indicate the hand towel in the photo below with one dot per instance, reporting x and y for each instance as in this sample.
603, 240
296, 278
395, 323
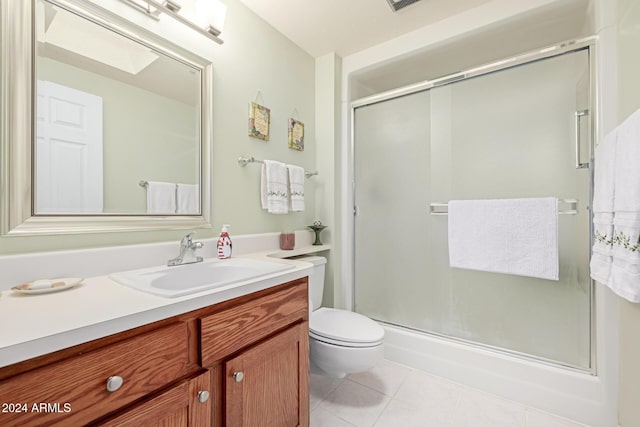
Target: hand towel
188, 199
273, 187
625, 267
512, 236
161, 198
603, 201
296, 188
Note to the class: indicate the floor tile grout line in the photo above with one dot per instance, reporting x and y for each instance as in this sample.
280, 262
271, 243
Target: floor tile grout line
389, 395
382, 412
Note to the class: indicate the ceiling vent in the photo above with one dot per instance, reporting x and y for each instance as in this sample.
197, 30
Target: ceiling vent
396, 5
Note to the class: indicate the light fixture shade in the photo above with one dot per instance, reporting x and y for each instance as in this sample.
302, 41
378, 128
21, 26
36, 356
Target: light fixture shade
210, 15
396, 5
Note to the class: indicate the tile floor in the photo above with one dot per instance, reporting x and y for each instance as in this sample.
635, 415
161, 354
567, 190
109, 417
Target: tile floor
396, 395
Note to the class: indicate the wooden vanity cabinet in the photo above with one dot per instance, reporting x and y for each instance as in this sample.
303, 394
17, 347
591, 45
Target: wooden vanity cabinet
267, 384
182, 405
240, 362
258, 352
75, 390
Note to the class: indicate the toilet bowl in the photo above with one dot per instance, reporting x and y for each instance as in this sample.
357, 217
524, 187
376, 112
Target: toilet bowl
341, 342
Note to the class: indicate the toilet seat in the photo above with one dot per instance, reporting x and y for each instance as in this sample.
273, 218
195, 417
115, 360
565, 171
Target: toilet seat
344, 328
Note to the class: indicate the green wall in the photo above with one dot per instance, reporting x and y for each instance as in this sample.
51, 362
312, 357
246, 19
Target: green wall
255, 57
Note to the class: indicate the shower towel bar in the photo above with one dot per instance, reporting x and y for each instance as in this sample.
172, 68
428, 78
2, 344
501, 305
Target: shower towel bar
439, 208
244, 161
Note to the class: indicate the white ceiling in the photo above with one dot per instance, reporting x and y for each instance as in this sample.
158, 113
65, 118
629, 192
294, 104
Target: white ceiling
348, 26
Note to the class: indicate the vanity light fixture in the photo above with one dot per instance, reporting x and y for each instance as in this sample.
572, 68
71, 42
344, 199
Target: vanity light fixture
396, 5
206, 16
209, 15
173, 5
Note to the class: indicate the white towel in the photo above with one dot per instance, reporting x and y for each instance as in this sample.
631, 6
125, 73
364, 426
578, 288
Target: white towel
273, 187
625, 267
188, 199
603, 206
296, 188
161, 198
512, 236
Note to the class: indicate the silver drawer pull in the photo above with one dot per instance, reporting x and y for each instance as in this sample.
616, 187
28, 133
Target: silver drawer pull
114, 383
238, 376
203, 396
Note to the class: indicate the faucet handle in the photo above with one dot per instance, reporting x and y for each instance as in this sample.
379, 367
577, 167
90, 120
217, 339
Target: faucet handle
186, 240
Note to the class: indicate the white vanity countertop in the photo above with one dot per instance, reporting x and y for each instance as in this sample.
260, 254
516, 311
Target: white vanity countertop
33, 325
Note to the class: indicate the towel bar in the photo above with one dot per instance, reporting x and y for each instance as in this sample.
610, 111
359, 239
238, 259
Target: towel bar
244, 161
440, 208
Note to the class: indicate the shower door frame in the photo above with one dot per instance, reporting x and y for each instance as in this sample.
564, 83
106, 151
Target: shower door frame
588, 44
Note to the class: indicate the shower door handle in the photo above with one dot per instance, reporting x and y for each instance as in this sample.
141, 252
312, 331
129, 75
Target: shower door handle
578, 116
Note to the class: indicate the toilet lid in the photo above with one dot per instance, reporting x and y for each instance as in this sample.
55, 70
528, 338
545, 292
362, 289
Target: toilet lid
344, 326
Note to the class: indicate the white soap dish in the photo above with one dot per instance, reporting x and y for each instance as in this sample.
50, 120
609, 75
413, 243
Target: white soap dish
46, 286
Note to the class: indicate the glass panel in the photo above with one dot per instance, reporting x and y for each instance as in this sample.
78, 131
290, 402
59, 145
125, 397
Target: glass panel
509, 134
111, 112
392, 189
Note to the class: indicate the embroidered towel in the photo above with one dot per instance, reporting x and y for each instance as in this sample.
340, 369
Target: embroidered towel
188, 198
296, 188
625, 267
273, 187
603, 201
161, 198
512, 236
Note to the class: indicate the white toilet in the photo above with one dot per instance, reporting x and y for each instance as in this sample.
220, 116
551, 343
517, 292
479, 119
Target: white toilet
341, 342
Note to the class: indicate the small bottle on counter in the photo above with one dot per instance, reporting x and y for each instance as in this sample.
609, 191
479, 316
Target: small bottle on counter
224, 243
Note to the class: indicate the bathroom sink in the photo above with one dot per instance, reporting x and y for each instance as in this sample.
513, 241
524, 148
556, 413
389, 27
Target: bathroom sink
190, 278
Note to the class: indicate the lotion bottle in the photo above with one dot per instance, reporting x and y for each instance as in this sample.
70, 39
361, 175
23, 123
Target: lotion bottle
224, 243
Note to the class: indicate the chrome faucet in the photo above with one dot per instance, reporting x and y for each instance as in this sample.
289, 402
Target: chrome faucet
187, 252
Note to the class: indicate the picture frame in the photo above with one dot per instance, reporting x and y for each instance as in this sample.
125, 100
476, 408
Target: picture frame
296, 134
259, 121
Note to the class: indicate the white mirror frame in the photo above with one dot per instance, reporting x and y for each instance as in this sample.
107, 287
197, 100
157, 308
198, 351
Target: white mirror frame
16, 127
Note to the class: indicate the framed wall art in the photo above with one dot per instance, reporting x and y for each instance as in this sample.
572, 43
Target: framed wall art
259, 121
296, 134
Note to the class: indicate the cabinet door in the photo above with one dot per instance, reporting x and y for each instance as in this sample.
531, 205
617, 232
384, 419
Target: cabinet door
179, 406
268, 384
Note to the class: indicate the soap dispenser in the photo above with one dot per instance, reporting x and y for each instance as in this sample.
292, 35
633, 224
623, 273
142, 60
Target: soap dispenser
224, 243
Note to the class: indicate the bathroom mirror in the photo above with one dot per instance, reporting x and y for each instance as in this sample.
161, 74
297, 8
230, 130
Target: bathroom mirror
110, 132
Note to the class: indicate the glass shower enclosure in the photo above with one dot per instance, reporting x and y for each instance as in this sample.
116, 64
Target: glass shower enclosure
517, 131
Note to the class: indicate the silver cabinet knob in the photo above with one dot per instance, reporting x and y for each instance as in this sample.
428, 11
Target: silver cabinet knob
238, 376
114, 383
203, 396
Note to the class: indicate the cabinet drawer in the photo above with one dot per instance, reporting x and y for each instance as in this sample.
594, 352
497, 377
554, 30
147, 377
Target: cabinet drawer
227, 331
73, 391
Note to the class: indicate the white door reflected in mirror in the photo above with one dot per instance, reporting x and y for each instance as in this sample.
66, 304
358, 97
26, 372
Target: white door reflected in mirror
68, 150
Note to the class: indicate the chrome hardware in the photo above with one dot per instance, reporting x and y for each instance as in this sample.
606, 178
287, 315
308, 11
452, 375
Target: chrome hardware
238, 376
203, 396
244, 161
114, 383
439, 208
187, 252
578, 115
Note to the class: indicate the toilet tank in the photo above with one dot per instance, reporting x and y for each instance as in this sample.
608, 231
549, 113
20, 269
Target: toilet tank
316, 279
